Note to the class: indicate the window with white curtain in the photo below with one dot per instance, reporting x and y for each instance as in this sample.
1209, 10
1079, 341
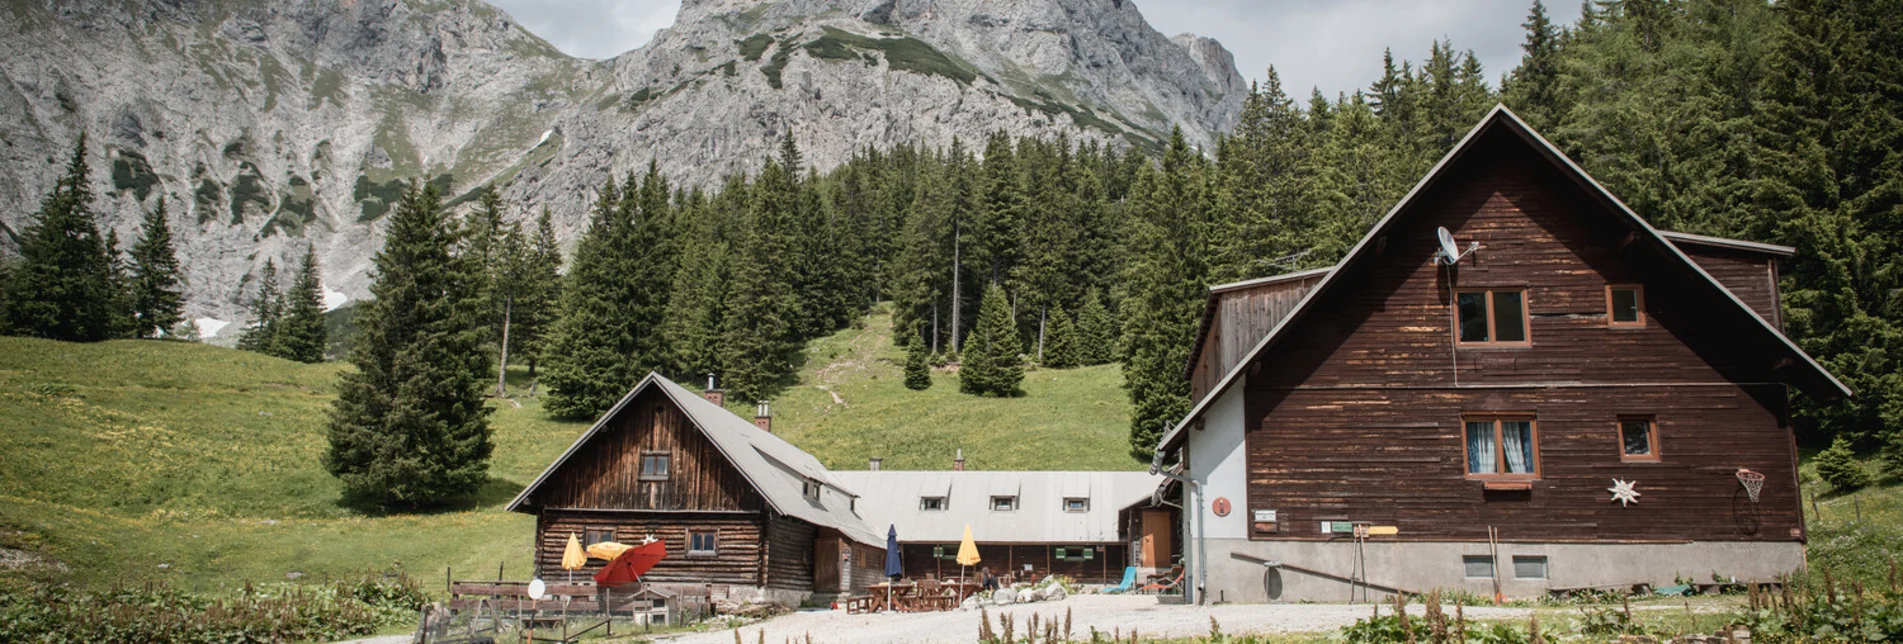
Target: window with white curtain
1504, 446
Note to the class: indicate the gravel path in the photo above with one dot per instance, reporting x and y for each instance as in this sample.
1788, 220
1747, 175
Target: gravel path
1104, 612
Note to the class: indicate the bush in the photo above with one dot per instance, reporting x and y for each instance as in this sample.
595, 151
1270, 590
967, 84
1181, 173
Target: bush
1839, 466
158, 613
1818, 609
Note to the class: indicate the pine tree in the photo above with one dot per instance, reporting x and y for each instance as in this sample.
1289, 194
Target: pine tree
1532, 90
696, 305
1096, 332
122, 313
157, 302
62, 287
589, 356
918, 367
300, 334
1061, 350
410, 428
1839, 466
1167, 283
991, 363
757, 332
541, 295
267, 308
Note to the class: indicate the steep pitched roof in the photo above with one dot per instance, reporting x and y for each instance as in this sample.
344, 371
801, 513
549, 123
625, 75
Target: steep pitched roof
892, 497
775, 468
1820, 382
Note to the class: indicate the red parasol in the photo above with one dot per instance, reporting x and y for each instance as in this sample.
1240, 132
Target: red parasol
633, 563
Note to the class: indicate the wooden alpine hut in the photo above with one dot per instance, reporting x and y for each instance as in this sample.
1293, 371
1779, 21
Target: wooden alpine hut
741, 510
1512, 385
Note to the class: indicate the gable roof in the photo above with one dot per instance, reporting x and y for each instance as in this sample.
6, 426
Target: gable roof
892, 497
775, 468
1823, 385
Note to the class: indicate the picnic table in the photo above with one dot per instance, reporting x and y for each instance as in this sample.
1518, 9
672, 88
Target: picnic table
911, 597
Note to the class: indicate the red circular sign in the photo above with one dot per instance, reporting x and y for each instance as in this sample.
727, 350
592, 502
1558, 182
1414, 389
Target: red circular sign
1220, 507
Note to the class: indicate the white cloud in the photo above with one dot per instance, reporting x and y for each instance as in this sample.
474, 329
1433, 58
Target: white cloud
593, 28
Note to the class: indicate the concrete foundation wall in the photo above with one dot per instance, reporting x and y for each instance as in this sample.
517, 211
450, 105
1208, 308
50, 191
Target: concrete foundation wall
1423, 566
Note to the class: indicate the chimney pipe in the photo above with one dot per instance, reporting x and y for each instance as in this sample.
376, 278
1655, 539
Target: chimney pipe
874, 465
763, 417
958, 464
713, 394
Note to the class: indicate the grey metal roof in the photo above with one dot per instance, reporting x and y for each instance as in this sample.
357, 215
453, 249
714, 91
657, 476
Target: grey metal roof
1678, 238
891, 497
1503, 117
774, 467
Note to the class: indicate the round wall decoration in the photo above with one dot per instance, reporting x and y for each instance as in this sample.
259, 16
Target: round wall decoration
1220, 506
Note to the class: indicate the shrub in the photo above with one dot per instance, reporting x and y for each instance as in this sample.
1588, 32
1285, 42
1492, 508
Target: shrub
1839, 466
159, 614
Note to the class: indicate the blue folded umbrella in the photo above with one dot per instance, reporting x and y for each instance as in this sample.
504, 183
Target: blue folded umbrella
893, 568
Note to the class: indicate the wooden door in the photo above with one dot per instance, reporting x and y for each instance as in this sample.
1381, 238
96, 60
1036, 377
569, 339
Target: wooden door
826, 564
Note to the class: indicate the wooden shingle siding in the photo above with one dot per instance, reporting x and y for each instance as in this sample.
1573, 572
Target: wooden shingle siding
737, 559
1241, 318
1356, 415
607, 474
1750, 276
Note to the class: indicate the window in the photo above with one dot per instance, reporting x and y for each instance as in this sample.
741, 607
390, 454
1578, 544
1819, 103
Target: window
1478, 566
592, 537
702, 543
1638, 438
654, 466
1004, 503
1076, 504
931, 503
1495, 317
1504, 447
1086, 553
1529, 567
1625, 305
810, 490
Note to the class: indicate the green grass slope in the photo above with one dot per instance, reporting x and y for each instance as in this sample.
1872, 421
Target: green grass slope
1855, 533
850, 404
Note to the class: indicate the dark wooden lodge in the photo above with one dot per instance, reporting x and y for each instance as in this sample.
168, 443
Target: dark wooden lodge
1472, 418
741, 510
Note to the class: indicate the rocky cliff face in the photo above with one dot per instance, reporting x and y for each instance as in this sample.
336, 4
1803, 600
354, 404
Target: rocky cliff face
272, 125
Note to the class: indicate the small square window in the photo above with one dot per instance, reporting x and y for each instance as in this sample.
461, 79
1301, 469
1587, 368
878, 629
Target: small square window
1638, 438
702, 543
654, 466
1625, 305
1478, 566
810, 490
1529, 567
931, 503
1004, 503
1076, 504
592, 537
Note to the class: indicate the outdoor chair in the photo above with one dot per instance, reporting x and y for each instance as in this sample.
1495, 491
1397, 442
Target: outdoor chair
860, 604
1129, 582
1163, 586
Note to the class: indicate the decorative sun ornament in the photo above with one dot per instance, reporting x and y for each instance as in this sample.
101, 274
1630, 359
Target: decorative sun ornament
1623, 492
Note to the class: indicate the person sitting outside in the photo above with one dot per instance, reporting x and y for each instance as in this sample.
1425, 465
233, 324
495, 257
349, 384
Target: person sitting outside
987, 581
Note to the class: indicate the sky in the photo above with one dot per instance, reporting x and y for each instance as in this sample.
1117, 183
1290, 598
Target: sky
1334, 45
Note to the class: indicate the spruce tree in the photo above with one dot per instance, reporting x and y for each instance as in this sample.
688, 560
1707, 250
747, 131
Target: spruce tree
697, 303
589, 365
1096, 332
157, 301
757, 332
539, 304
410, 428
300, 334
1839, 466
1061, 350
991, 364
267, 308
122, 310
1166, 278
62, 287
1532, 90
918, 365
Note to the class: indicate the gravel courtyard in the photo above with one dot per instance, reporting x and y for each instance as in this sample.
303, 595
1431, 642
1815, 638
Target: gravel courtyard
1105, 612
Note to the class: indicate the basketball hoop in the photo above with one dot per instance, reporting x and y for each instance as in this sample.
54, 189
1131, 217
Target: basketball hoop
1753, 482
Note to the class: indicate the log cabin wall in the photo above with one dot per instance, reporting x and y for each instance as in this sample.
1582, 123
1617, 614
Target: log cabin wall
736, 560
1356, 415
789, 553
606, 473
1750, 276
867, 567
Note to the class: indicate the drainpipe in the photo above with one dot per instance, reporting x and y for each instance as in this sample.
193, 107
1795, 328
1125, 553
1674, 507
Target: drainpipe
1192, 592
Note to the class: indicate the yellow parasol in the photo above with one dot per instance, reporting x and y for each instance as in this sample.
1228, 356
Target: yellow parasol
607, 550
967, 552
573, 558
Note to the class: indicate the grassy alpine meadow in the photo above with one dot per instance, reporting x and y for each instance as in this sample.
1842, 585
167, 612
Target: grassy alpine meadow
850, 403
130, 461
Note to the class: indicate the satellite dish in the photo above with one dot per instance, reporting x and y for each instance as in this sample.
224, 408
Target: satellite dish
537, 589
1449, 251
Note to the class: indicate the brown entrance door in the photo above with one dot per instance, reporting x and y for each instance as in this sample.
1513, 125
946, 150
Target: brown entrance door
826, 564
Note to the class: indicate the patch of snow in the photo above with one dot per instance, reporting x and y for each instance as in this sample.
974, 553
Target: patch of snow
334, 299
209, 327
545, 135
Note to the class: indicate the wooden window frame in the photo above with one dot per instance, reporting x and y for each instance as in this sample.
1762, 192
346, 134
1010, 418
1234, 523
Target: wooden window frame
1500, 480
668, 462
1652, 435
712, 534
1638, 292
1493, 326
1084, 499
1013, 499
589, 533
